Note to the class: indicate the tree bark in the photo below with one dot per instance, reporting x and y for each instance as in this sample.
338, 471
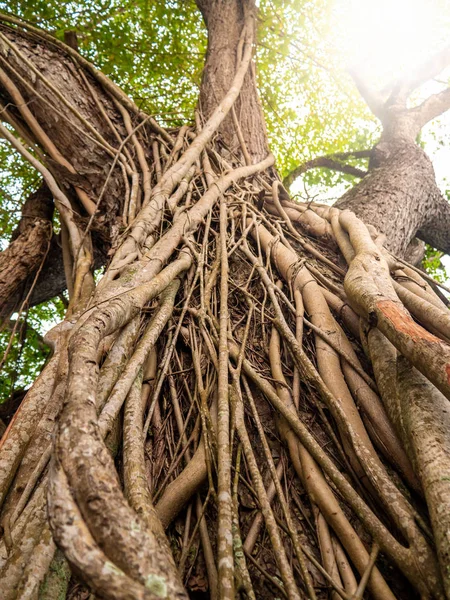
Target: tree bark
77, 129
225, 21
55, 92
51, 280
28, 248
399, 196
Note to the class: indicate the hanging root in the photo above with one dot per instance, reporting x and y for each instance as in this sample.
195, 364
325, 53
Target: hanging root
251, 402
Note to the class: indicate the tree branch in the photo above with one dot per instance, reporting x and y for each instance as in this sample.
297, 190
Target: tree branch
400, 91
28, 247
432, 107
372, 98
329, 162
426, 71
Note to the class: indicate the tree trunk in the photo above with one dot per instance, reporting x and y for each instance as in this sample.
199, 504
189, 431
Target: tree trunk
191, 335
225, 20
400, 198
45, 77
77, 123
30, 243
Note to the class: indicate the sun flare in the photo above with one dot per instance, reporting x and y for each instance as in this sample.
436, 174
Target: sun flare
385, 39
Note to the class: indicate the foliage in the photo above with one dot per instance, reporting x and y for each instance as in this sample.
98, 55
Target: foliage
432, 264
154, 51
28, 353
311, 107
18, 180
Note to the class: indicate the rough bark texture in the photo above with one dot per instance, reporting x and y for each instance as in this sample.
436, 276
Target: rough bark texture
225, 21
61, 135
88, 158
28, 248
51, 281
399, 197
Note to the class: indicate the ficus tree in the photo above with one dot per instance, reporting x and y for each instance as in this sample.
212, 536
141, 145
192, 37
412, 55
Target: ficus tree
253, 396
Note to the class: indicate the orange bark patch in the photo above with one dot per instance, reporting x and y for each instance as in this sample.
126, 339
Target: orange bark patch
403, 323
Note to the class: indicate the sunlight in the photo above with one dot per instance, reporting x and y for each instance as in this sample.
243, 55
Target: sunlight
385, 39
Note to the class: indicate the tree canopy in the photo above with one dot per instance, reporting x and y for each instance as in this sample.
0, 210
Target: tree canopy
155, 52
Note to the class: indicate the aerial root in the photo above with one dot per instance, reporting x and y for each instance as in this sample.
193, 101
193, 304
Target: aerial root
215, 288
192, 376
